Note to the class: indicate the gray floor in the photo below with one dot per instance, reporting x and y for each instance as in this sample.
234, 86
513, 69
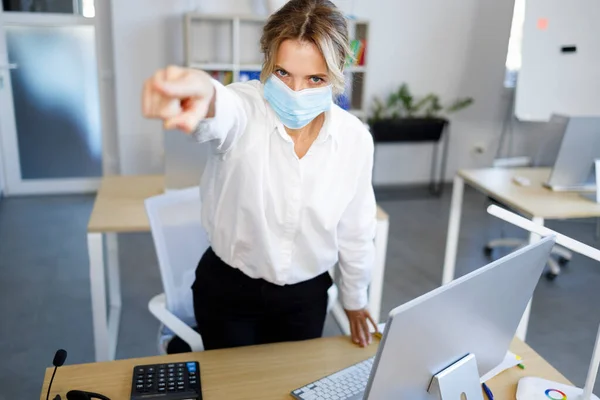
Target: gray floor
45, 299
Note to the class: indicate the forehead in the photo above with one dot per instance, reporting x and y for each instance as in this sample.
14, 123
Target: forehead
300, 57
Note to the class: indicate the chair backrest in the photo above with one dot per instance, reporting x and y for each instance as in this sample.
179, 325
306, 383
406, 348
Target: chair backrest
180, 240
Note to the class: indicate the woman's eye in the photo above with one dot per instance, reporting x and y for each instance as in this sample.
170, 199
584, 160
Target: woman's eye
316, 79
281, 72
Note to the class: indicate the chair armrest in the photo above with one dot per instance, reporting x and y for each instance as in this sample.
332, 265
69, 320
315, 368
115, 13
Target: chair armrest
158, 307
332, 295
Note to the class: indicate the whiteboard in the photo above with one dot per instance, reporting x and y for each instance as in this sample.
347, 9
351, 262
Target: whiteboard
553, 79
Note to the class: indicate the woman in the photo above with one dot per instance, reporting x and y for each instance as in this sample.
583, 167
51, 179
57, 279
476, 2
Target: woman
287, 190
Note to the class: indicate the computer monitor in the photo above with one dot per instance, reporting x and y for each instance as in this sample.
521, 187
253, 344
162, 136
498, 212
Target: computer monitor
476, 314
574, 168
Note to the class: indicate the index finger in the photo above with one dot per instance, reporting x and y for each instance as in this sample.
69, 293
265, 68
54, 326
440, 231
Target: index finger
182, 87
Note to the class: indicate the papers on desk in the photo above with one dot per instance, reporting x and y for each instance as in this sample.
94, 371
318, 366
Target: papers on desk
510, 360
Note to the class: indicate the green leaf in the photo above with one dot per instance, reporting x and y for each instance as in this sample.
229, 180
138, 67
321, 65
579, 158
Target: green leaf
406, 99
459, 104
434, 107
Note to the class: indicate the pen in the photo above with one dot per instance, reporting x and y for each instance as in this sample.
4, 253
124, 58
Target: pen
487, 391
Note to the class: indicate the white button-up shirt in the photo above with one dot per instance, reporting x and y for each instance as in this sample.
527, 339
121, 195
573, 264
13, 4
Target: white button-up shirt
279, 217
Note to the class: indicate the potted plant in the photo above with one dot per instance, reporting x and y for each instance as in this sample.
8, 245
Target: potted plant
406, 119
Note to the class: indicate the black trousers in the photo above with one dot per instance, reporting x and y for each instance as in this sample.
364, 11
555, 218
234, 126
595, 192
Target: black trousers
233, 309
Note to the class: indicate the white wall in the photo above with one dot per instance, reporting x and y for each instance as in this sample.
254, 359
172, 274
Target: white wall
451, 48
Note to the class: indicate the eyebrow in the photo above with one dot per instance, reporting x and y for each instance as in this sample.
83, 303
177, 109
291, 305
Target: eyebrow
320, 75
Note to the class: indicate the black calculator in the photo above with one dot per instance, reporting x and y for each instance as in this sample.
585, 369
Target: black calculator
175, 381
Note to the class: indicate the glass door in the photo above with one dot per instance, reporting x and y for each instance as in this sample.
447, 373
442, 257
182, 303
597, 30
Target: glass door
50, 108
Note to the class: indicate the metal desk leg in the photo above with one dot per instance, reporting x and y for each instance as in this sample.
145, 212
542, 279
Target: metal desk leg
522, 329
453, 230
378, 273
105, 324
114, 292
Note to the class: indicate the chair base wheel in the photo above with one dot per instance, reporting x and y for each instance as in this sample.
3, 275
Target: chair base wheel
487, 251
551, 276
563, 262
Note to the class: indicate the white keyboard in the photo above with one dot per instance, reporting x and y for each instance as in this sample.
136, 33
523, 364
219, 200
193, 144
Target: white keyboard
347, 384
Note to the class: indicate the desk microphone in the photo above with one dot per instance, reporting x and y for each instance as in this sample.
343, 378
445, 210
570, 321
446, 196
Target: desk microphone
59, 360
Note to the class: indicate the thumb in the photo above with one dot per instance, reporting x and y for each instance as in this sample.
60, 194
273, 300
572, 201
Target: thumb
186, 122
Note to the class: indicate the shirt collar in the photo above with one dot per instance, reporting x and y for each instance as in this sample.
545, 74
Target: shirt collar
330, 129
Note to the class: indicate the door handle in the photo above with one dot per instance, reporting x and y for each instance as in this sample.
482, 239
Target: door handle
9, 66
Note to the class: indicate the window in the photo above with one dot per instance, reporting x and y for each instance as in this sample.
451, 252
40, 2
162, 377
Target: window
83, 7
513, 57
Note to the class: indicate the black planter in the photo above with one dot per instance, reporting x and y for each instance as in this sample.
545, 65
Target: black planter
408, 130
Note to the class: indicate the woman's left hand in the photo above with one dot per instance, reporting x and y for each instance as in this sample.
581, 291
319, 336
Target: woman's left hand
359, 326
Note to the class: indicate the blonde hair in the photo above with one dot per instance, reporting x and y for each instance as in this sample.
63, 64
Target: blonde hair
316, 21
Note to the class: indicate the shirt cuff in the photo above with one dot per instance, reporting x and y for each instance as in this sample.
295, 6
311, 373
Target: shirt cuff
211, 128
354, 300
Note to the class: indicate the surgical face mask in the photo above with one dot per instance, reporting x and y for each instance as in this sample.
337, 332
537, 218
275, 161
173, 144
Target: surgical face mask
296, 109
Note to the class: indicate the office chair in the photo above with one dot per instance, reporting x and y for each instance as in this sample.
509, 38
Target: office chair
180, 241
545, 156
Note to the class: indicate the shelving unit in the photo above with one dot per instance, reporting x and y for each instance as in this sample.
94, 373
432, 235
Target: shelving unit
228, 47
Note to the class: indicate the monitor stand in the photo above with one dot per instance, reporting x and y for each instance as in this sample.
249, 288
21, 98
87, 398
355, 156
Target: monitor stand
458, 381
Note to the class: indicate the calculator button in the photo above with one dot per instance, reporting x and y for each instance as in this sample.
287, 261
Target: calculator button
161, 380
179, 374
171, 365
139, 371
162, 389
150, 376
192, 382
180, 380
171, 379
139, 382
171, 370
180, 365
151, 370
139, 388
171, 388
149, 385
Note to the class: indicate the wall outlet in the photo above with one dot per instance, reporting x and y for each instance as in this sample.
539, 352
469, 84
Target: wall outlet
479, 148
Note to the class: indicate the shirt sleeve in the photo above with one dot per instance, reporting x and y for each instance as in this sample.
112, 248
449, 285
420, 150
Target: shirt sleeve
229, 122
356, 235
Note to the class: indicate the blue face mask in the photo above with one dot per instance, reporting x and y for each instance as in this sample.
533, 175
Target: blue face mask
296, 109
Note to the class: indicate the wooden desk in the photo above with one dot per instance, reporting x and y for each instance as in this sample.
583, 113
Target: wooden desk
534, 201
266, 372
119, 208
